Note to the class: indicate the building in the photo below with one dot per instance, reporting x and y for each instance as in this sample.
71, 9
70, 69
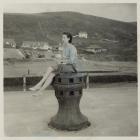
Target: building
9, 43
45, 46
83, 35
108, 40
36, 45
27, 44
95, 49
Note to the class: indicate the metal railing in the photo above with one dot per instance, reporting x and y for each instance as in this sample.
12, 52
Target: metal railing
87, 74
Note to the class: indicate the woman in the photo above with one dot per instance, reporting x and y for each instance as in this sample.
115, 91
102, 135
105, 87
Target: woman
69, 55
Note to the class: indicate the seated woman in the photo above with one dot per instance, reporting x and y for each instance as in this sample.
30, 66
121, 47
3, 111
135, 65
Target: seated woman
69, 56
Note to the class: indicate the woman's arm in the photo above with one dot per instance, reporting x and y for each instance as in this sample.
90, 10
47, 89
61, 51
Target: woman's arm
61, 60
73, 55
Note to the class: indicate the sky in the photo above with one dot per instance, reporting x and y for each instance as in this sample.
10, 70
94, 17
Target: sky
117, 11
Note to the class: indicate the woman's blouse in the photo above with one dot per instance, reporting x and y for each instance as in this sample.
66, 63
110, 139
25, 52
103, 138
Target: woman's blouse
70, 53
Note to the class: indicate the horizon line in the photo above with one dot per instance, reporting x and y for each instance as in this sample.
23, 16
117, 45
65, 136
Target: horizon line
69, 12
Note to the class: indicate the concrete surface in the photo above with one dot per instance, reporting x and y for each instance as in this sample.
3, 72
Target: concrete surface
112, 110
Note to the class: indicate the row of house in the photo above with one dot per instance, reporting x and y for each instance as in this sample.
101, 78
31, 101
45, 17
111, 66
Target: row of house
82, 35
108, 40
10, 43
36, 44
96, 50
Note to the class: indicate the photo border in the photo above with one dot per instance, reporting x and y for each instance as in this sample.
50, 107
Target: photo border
2, 3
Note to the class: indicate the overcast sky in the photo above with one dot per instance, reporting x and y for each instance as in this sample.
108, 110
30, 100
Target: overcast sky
118, 11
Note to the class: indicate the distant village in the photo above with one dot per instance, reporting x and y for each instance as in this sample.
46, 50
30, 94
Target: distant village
36, 49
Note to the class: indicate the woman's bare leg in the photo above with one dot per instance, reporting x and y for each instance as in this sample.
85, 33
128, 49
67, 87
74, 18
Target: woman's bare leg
45, 85
38, 85
48, 81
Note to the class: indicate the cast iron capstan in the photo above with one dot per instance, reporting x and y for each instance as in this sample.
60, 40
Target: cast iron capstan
68, 85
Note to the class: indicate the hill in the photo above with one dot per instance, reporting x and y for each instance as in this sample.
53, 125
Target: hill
120, 38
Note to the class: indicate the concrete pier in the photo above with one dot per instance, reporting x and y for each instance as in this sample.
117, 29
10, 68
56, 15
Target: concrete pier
111, 108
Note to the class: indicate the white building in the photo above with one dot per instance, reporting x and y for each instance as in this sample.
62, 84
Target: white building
9, 43
27, 44
83, 35
46, 47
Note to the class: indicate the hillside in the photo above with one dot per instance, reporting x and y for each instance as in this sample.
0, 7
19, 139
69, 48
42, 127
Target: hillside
50, 26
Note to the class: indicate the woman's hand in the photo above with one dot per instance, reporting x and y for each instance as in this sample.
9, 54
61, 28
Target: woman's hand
64, 60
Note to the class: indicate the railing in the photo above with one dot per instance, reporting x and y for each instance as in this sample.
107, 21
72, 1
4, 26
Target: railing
85, 72
88, 72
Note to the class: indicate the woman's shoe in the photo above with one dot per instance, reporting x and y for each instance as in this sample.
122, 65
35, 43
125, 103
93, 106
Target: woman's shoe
33, 89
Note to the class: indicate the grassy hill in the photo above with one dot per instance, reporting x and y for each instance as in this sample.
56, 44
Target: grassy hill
50, 26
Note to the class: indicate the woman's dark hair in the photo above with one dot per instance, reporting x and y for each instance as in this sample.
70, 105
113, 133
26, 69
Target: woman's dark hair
69, 35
